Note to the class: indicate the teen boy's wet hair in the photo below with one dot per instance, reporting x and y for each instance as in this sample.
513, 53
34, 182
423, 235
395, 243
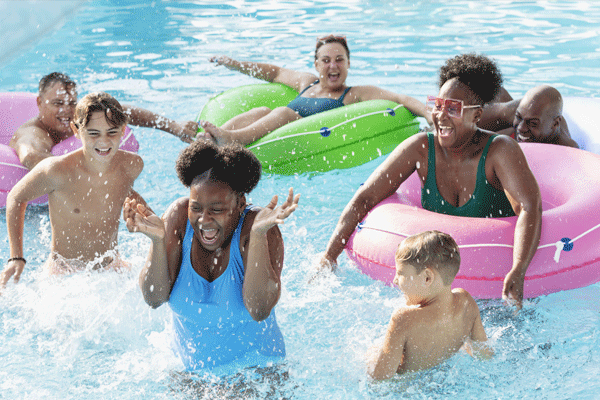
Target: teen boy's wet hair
99, 101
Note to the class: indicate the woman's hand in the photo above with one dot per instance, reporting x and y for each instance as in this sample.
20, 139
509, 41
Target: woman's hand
185, 131
220, 60
139, 218
272, 214
512, 292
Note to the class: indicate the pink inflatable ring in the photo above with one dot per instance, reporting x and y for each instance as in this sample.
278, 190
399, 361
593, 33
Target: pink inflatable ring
15, 110
568, 255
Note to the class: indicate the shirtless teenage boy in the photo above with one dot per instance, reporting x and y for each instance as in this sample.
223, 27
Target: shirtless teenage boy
86, 191
57, 98
437, 321
537, 117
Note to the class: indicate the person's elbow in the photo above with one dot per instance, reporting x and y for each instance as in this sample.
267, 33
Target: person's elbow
152, 296
536, 207
531, 206
479, 349
376, 373
30, 159
260, 310
259, 314
365, 199
15, 199
154, 301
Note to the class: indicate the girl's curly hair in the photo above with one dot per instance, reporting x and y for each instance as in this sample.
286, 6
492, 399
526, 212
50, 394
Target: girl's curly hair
232, 164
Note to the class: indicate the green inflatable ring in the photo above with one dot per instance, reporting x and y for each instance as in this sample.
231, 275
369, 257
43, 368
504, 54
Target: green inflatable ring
340, 138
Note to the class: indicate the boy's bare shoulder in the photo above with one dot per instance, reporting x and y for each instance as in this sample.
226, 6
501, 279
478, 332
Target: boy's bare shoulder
462, 294
57, 169
404, 317
465, 299
130, 163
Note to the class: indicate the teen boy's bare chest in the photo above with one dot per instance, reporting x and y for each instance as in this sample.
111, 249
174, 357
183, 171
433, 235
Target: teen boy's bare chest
89, 203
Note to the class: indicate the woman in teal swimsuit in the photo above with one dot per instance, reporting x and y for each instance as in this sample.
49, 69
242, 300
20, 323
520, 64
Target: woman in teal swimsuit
215, 260
317, 93
464, 170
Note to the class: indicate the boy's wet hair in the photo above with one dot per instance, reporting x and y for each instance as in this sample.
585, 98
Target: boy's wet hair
433, 249
478, 72
332, 39
52, 78
99, 101
231, 164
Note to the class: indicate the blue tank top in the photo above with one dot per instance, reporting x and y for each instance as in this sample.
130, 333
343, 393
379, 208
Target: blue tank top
306, 106
212, 326
486, 201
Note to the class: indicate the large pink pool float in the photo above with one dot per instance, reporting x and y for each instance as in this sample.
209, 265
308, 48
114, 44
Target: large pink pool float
568, 255
16, 109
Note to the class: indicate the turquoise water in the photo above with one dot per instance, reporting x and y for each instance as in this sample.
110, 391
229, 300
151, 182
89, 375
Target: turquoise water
92, 336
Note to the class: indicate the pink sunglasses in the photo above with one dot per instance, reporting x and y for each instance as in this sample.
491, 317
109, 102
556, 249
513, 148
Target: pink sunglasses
454, 108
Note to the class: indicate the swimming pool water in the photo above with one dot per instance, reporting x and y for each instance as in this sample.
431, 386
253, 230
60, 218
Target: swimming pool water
91, 335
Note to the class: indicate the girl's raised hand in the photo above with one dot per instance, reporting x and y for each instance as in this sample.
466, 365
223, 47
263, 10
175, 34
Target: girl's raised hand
273, 215
139, 218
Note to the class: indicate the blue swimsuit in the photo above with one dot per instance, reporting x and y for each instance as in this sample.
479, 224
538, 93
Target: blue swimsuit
306, 106
212, 326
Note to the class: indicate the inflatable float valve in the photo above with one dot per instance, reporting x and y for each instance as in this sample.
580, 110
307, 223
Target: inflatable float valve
564, 244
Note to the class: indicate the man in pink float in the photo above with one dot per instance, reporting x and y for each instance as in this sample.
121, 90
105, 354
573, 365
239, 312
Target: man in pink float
33, 141
537, 117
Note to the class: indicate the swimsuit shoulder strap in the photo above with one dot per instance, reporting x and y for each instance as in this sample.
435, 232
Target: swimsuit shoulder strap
344, 94
484, 153
308, 87
431, 160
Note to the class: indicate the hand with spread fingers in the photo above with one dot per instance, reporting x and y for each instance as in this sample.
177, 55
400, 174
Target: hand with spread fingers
273, 215
139, 218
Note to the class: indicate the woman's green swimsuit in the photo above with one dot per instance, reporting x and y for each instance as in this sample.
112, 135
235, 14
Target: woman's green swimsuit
486, 201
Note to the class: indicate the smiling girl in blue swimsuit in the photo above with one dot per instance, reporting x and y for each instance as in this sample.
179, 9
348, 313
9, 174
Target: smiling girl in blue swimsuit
319, 93
216, 260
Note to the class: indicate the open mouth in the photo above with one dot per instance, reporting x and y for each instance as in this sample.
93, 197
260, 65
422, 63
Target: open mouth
103, 152
64, 120
445, 131
521, 138
209, 236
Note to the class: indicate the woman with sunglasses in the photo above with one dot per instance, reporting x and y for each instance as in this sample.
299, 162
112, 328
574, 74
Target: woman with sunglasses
465, 171
319, 93
216, 260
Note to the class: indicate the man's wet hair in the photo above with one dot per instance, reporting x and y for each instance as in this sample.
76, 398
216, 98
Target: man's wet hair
52, 78
478, 72
431, 249
99, 101
232, 164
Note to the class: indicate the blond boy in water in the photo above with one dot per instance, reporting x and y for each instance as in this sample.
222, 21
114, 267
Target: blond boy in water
437, 321
86, 190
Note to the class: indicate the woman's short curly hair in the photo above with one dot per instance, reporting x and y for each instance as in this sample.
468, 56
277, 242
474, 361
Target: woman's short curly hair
478, 72
232, 164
